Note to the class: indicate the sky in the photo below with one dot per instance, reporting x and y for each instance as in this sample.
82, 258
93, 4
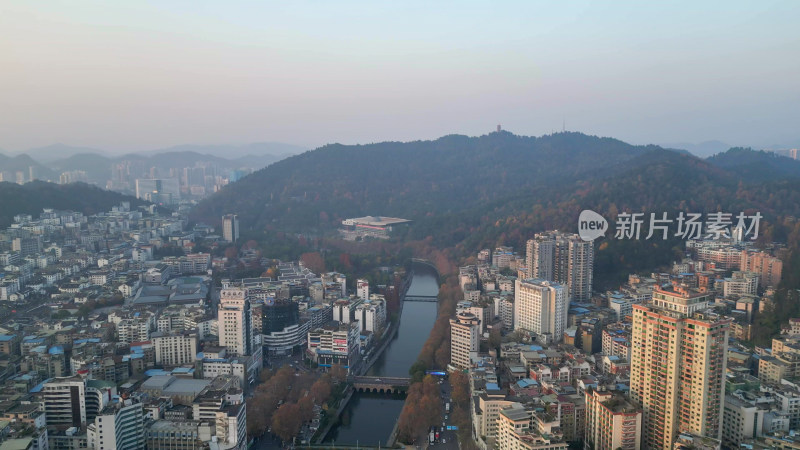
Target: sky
139, 75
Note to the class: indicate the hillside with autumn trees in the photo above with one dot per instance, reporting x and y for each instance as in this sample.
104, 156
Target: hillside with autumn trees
467, 193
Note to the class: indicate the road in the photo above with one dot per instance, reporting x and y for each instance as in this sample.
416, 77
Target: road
450, 437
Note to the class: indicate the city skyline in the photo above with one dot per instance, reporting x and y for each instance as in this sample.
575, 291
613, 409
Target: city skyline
133, 77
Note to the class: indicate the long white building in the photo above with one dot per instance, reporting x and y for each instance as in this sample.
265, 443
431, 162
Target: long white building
540, 307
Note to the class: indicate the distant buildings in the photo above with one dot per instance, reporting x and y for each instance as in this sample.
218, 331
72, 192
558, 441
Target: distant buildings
767, 266
165, 191
376, 227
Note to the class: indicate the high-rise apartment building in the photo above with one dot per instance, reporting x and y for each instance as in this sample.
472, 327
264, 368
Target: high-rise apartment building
234, 322
678, 365
465, 331
65, 402
119, 426
362, 289
540, 307
769, 267
230, 228
564, 258
540, 253
612, 421
72, 401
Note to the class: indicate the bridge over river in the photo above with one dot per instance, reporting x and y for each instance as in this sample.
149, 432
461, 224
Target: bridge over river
380, 384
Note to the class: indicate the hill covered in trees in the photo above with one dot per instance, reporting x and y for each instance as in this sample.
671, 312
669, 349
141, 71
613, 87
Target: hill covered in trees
31, 198
468, 193
413, 180
756, 165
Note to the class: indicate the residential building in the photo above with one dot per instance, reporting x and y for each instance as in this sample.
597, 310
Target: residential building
767, 266
362, 289
465, 332
540, 307
337, 343
230, 228
514, 432
234, 322
119, 426
564, 258
741, 420
175, 348
612, 422
678, 365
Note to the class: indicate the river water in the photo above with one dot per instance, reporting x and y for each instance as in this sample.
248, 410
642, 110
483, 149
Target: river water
369, 419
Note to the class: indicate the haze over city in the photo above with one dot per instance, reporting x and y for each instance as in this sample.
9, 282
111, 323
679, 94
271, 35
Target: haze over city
134, 76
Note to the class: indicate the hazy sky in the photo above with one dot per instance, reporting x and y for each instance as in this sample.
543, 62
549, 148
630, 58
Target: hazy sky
130, 75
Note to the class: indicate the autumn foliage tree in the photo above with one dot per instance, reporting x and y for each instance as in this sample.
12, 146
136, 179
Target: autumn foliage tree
306, 408
287, 421
313, 261
421, 411
321, 390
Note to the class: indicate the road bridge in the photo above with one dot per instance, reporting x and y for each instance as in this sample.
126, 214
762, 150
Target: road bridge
380, 384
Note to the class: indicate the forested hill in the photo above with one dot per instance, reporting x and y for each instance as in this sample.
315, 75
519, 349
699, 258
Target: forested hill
412, 180
31, 198
756, 165
468, 193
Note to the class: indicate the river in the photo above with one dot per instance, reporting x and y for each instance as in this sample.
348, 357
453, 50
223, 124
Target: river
369, 419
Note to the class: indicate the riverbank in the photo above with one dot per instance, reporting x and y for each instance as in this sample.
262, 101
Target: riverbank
373, 416
390, 334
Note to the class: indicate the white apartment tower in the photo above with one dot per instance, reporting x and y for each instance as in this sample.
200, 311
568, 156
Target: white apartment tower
234, 322
118, 427
362, 289
540, 307
175, 348
230, 227
465, 332
65, 402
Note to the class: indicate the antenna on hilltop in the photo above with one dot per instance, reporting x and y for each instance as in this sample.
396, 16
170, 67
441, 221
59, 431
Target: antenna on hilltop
498, 128
564, 126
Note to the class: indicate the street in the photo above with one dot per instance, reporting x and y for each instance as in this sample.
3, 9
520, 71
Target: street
449, 436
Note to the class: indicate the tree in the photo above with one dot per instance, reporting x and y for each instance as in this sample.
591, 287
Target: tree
338, 373
286, 422
495, 338
321, 390
257, 419
231, 252
306, 406
460, 383
313, 261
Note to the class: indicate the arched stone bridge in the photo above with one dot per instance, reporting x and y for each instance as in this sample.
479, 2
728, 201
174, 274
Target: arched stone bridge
380, 384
